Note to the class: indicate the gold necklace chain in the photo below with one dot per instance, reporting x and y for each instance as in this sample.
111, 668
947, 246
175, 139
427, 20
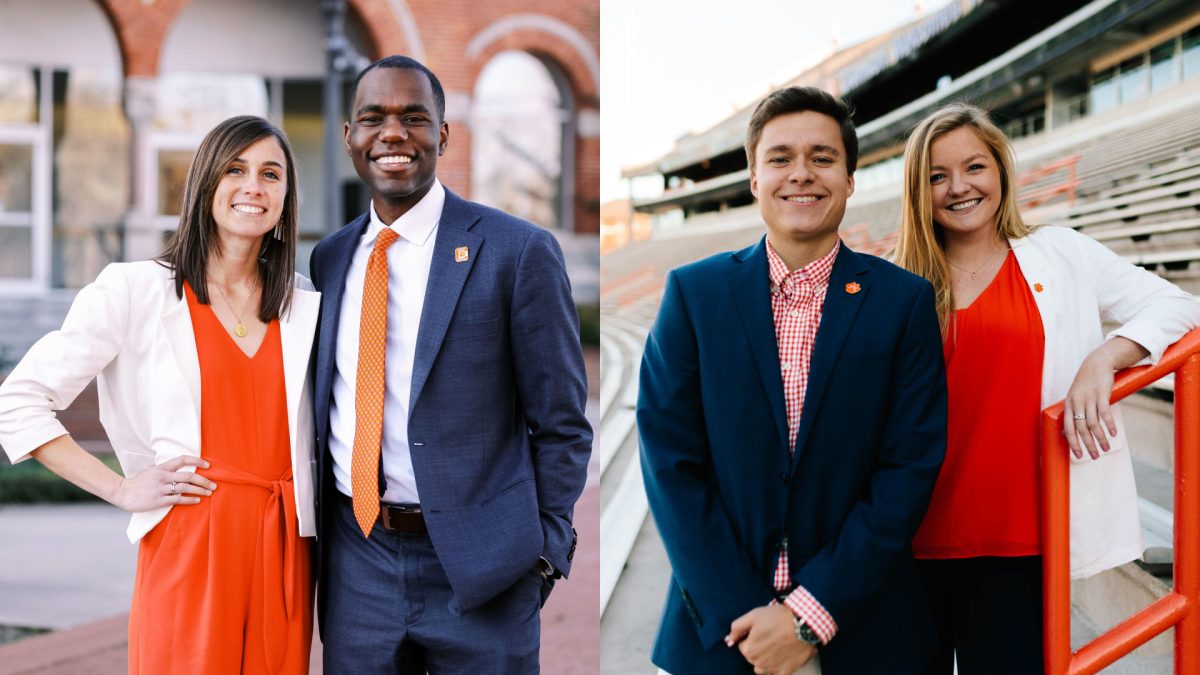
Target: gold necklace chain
240, 328
977, 269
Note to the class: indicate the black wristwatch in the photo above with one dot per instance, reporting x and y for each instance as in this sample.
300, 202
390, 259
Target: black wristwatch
805, 633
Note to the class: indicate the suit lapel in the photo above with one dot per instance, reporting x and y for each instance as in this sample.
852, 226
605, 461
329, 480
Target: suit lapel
837, 317
750, 285
341, 253
296, 333
447, 275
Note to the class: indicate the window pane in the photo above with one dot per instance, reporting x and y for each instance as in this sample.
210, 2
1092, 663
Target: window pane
1134, 81
172, 173
91, 174
16, 252
1164, 66
16, 170
516, 139
1104, 90
18, 95
1191, 53
197, 102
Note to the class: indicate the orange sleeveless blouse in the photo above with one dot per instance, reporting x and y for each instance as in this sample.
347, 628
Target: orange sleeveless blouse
986, 499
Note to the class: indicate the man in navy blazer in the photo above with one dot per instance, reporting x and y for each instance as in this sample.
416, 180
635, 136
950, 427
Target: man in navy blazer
484, 444
792, 418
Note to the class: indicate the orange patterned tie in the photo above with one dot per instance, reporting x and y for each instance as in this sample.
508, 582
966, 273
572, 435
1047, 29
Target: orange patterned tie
368, 396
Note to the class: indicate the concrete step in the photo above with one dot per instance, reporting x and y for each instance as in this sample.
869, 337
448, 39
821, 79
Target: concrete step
1149, 418
1100, 602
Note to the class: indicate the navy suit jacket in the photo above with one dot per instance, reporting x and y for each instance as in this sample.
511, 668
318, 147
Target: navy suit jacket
499, 440
725, 492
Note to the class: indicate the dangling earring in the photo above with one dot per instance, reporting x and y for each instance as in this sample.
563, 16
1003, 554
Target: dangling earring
279, 230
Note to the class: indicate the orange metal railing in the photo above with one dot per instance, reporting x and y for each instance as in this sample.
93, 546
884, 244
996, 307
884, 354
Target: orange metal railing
1179, 608
1029, 199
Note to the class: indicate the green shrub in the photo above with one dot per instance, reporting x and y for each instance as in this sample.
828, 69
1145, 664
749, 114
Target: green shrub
14, 633
31, 483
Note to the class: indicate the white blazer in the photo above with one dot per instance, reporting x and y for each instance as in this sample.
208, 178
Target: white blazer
1078, 284
130, 332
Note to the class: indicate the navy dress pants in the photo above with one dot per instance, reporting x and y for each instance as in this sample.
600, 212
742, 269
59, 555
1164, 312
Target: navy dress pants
388, 613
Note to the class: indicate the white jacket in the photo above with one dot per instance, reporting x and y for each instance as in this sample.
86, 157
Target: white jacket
1078, 283
129, 330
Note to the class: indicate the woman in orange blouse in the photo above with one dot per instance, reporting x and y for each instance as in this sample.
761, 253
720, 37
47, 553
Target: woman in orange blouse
1021, 310
202, 358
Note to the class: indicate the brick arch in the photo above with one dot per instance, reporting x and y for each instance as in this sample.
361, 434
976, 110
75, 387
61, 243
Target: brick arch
548, 39
563, 47
141, 30
391, 28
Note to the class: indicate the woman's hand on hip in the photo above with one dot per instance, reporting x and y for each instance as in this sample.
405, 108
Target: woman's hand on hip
164, 485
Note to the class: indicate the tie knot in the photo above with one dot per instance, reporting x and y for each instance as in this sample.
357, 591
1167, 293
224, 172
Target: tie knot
386, 236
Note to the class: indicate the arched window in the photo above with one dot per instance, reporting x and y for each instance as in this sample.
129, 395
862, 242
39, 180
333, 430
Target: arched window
522, 139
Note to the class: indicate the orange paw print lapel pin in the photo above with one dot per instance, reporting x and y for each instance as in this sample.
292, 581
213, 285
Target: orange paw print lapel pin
853, 287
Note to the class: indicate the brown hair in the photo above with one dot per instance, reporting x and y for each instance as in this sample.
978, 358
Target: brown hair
803, 99
188, 250
920, 246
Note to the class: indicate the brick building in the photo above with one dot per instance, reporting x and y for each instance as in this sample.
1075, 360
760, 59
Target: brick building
102, 103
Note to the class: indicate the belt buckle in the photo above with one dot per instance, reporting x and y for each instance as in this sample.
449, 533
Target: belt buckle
385, 513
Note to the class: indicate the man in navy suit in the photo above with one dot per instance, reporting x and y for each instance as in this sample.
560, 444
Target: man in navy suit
792, 417
484, 445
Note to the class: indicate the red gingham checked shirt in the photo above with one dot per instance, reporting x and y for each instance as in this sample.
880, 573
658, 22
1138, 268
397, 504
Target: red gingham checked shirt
797, 298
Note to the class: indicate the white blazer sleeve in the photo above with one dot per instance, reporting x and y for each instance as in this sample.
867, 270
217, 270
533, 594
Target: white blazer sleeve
1151, 311
62, 363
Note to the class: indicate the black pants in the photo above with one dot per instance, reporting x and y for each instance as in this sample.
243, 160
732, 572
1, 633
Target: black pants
988, 613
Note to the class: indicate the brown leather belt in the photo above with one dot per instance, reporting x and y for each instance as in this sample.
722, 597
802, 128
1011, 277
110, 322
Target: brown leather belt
396, 518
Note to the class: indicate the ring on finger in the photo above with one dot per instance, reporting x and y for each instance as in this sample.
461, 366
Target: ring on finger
1080, 416
174, 487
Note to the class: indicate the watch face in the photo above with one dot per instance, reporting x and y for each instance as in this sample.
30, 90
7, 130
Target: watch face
807, 634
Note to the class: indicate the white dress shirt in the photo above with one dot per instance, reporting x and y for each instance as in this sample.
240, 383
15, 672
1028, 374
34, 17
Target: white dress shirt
409, 259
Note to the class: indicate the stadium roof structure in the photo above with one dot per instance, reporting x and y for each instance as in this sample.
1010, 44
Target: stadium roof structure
989, 52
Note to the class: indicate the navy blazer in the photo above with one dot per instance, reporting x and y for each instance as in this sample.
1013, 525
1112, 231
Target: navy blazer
499, 440
725, 491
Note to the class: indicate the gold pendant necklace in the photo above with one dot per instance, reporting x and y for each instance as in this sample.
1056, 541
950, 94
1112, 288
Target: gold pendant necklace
239, 329
977, 270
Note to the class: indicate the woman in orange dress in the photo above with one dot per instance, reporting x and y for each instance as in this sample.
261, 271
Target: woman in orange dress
202, 360
1023, 311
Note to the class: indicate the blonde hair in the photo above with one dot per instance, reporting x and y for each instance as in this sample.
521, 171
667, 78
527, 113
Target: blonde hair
920, 246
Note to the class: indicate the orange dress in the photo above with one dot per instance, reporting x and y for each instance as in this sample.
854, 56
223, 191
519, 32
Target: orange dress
223, 586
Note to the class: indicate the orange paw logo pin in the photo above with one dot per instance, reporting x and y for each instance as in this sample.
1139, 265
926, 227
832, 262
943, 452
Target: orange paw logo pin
1039, 288
853, 287
461, 254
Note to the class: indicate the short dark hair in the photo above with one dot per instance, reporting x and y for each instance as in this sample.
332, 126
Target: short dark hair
803, 99
188, 250
398, 61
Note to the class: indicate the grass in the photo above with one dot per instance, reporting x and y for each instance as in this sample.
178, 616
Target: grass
31, 483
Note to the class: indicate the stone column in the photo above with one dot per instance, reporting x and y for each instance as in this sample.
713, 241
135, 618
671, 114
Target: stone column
142, 237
